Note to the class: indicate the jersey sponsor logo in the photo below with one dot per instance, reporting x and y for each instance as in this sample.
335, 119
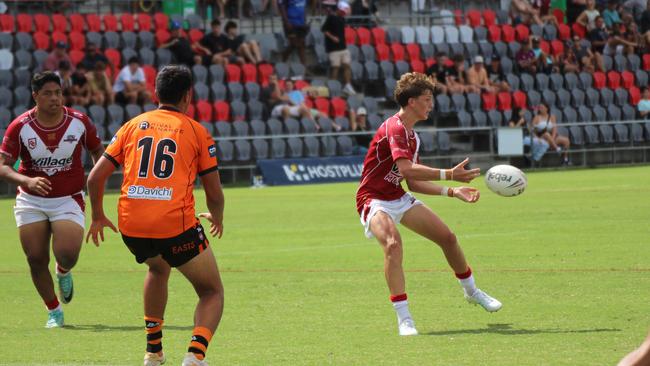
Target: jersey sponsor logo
70, 138
113, 139
146, 193
144, 125
212, 150
306, 173
31, 143
50, 162
394, 176
177, 249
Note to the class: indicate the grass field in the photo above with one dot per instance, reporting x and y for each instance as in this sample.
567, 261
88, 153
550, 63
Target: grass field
569, 259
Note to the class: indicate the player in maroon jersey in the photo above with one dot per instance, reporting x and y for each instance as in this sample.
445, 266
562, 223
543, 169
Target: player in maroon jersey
49, 140
382, 202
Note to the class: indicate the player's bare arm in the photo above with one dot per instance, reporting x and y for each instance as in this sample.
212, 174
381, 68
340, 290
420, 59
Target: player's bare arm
414, 171
39, 185
97, 153
96, 181
465, 194
215, 201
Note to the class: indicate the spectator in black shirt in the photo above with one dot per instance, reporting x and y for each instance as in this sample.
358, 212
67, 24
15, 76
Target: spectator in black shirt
181, 48
213, 46
337, 49
248, 51
438, 72
93, 56
365, 13
598, 36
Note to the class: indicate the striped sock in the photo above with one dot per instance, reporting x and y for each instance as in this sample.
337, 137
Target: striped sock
200, 339
60, 270
153, 327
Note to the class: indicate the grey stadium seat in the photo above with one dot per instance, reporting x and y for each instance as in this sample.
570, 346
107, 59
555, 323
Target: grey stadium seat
252, 91
563, 98
219, 91
570, 114
292, 126
225, 151
585, 114
132, 110
577, 97
622, 133
629, 113
571, 81
223, 129
495, 117
147, 56
240, 128
459, 102
576, 135
591, 135
343, 122
258, 127
557, 81
426, 141
480, 118
255, 109
372, 70
201, 91
613, 113
22, 96
200, 73
592, 97
328, 144
163, 56
275, 126
444, 142
111, 40
260, 149
473, 102
607, 133
606, 97
97, 114
312, 147
217, 73
344, 145
307, 126
637, 133
147, 39
621, 96
325, 124
278, 148
464, 119
235, 91
242, 151
295, 147
599, 114
129, 39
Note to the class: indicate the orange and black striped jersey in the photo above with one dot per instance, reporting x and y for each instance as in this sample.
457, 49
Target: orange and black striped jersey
162, 151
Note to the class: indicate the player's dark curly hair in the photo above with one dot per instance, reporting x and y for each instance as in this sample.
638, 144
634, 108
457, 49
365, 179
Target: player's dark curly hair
172, 83
412, 85
42, 78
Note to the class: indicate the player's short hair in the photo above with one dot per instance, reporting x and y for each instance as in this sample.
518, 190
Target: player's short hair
412, 85
172, 83
40, 79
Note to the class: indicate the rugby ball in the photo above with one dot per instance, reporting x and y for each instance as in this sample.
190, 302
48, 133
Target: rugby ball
506, 180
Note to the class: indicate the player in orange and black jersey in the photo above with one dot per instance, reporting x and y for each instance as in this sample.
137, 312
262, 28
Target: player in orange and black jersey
162, 152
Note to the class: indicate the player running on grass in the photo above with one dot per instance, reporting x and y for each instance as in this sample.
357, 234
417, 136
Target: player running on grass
382, 202
162, 151
49, 140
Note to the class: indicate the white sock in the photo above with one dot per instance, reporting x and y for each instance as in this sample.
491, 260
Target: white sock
402, 310
55, 309
468, 285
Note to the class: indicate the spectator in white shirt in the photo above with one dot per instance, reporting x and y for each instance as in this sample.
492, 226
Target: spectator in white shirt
131, 85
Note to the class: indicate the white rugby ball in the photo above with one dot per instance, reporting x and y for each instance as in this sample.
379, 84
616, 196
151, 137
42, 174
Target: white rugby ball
506, 180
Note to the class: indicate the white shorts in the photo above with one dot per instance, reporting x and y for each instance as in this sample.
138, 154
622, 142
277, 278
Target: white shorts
30, 209
294, 110
395, 209
340, 57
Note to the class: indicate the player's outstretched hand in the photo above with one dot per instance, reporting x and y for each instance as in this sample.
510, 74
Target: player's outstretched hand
460, 174
97, 229
39, 185
467, 194
216, 228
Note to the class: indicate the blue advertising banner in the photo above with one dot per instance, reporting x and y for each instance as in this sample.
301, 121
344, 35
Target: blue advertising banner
311, 170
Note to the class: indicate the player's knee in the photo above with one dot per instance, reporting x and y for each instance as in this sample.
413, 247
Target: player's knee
448, 240
67, 258
393, 247
38, 261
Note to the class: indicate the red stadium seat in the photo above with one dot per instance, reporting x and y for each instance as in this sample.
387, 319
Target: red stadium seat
559, 15
41, 41
94, 23
25, 23
417, 66
204, 111
249, 73
339, 107
162, 36
191, 111
579, 30
161, 20
77, 41
115, 57
489, 18
128, 22
77, 23
508, 33
635, 95
264, 71
110, 23
646, 62
149, 74
399, 54
378, 35
600, 80
59, 37
458, 17
489, 101
308, 102
505, 101
42, 23
301, 84
613, 80
494, 32
221, 111
144, 22
473, 18
383, 53
195, 35
323, 105
545, 46
628, 79
350, 35
520, 100
413, 50
59, 23
363, 35
7, 23
76, 56
233, 73
563, 32
557, 47
522, 32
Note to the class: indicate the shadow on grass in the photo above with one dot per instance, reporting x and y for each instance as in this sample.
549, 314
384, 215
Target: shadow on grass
120, 328
507, 329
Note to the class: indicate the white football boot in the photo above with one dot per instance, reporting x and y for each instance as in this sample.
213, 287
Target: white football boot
486, 301
154, 359
407, 327
191, 360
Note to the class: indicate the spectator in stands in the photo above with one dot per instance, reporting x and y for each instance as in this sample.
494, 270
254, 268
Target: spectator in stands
80, 91
644, 104
635, 39
93, 56
569, 61
545, 62
635, 8
574, 8
365, 13
359, 123
334, 30
295, 27
588, 17
214, 46
180, 47
438, 72
101, 90
65, 74
618, 43
131, 85
455, 79
517, 118
55, 57
477, 76
589, 61
598, 36
496, 75
545, 127
526, 59
611, 15
248, 51
287, 102
644, 22
523, 12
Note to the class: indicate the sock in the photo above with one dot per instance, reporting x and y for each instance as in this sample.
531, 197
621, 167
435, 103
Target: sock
60, 270
401, 307
53, 304
200, 339
467, 281
153, 327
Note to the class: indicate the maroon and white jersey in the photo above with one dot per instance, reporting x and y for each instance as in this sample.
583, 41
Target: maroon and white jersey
380, 178
51, 152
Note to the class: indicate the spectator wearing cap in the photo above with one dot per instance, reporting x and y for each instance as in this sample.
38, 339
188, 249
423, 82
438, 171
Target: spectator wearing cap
245, 51
93, 56
478, 77
359, 123
180, 47
131, 84
545, 62
55, 57
334, 30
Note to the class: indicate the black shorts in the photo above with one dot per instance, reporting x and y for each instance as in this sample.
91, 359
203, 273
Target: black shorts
176, 251
296, 31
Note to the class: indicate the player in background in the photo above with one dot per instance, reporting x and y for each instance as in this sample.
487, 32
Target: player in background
382, 202
49, 140
161, 152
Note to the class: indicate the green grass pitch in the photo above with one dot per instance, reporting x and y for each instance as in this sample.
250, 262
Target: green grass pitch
569, 259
